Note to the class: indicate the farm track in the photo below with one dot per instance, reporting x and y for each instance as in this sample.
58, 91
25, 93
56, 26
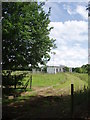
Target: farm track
48, 91
48, 102
53, 90
39, 90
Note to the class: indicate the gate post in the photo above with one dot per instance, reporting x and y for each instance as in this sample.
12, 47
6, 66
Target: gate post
15, 81
31, 82
72, 98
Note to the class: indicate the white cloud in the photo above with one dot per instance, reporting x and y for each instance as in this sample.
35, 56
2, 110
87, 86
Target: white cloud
70, 37
69, 10
70, 31
72, 57
82, 11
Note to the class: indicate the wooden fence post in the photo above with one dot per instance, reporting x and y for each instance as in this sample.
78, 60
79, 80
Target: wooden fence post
15, 81
12, 79
72, 98
84, 88
31, 82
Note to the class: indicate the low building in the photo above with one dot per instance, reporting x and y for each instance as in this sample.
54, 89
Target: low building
55, 69
70, 69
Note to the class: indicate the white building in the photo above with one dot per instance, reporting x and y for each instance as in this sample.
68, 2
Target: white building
70, 69
55, 69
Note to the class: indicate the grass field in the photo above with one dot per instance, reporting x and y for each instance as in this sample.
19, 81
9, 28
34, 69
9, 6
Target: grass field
50, 92
43, 80
59, 80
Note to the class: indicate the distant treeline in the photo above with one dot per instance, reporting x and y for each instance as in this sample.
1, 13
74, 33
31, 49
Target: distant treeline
82, 69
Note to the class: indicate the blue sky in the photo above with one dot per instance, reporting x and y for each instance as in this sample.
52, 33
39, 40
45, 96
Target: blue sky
59, 11
70, 22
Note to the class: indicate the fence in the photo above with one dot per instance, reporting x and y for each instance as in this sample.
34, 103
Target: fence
78, 97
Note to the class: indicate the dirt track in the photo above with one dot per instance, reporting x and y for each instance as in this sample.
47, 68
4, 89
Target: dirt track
48, 103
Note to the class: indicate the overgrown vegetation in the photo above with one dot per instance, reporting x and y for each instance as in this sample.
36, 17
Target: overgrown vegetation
82, 69
54, 81
49, 92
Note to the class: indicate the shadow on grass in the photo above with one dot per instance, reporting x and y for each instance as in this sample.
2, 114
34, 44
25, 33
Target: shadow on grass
49, 107
10, 95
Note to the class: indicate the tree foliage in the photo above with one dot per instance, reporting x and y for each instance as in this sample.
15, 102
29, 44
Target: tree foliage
82, 69
66, 69
25, 34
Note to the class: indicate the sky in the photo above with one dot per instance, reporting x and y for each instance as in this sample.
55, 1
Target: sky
70, 22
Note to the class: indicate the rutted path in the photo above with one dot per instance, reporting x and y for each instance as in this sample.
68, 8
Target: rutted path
47, 91
58, 89
49, 102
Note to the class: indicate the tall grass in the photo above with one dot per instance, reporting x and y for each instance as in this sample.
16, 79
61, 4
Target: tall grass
43, 80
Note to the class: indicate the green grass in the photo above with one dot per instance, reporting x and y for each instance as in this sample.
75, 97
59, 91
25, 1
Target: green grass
57, 81
18, 99
61, 79
82, 76
77, 81
43, 80
31, 100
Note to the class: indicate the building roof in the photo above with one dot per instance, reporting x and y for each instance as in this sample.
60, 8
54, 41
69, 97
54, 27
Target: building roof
61, 66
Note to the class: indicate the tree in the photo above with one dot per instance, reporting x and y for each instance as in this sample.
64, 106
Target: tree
82, 69
25, 33
66, 69
85, 68
77, 69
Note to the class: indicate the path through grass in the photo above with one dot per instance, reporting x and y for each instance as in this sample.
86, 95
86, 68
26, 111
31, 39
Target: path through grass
50, 94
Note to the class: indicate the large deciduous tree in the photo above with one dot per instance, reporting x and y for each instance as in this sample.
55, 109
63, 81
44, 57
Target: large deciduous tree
25, 34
